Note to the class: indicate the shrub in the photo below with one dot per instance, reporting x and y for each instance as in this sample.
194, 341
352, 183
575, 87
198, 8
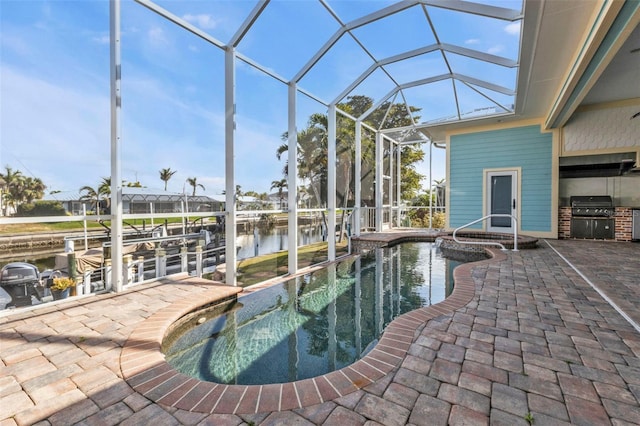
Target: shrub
420, 219
41, 208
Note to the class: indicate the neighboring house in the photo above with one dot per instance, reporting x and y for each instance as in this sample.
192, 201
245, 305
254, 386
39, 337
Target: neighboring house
279, 202
70, 200
584, 141
142, 200
272, 202
247, 202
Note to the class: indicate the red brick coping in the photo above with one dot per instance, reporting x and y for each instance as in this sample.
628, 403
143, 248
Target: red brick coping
145, 369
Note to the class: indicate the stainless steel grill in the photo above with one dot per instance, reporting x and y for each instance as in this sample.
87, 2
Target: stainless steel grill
592, 206
592, 217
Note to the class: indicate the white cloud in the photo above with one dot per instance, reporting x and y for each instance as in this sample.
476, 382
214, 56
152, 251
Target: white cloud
494, 50
101, 39
202, 20
214, 185
513, 28
472, 41
58, 133
15, 44
62, 134
157, 37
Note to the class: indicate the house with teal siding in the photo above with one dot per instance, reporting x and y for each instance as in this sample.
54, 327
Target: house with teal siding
584, 140
503, 171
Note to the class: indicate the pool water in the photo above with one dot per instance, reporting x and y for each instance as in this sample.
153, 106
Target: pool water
313, 324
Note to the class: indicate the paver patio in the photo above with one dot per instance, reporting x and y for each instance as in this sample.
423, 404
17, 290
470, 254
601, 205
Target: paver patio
536, 343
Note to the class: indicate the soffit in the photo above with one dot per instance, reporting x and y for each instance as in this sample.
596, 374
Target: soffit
621, 79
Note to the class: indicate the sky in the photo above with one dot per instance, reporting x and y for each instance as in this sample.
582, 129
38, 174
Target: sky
55, 93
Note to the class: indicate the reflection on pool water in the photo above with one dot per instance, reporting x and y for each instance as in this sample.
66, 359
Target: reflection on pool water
313, 324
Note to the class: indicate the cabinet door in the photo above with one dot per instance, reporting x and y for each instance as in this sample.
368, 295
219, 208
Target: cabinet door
581, 227
603, 229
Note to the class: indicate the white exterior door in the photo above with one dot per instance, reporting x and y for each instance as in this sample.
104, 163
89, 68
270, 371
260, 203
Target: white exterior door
502, 198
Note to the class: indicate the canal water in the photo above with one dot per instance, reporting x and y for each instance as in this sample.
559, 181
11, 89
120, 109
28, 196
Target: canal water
252, 243
259, 242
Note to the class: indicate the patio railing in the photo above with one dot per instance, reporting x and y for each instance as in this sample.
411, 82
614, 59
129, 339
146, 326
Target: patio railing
514, 223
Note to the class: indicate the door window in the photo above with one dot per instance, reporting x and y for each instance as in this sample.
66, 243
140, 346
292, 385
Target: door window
502, 199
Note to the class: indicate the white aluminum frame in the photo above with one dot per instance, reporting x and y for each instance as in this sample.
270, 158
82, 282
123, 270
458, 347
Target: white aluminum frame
231, 56
116, 135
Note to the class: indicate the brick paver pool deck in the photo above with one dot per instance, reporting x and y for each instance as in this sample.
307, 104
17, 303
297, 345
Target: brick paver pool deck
547, 335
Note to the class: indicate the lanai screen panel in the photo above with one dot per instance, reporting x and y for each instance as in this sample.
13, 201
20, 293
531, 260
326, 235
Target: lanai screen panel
312, 225
338, 68
219, 18
429, 49
172, 115
54, 80
396, 33
345, 163
368, 174
375, 87
287, 34
261, 122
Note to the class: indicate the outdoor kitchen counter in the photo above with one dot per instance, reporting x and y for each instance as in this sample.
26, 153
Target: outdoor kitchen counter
623, 223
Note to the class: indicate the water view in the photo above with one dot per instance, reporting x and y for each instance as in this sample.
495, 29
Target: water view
265, 241
258, 241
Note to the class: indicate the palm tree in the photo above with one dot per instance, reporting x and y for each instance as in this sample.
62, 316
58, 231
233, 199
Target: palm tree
14, 182
312, 158
33, 189
17, 189
279, 185
165, 175
194, 183
3, 185
94, 195
105, 189
91, 195
238, 193
312, 150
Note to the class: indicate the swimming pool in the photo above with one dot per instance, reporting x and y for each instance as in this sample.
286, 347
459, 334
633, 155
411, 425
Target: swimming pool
312, 324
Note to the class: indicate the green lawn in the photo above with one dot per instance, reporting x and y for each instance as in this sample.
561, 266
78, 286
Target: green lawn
261, 268
77, 226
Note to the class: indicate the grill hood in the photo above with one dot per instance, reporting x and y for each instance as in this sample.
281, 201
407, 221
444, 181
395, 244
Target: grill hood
603, 165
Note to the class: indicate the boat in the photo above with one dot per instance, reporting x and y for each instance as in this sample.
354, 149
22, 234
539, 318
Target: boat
26, 286
93, 259
22, 283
